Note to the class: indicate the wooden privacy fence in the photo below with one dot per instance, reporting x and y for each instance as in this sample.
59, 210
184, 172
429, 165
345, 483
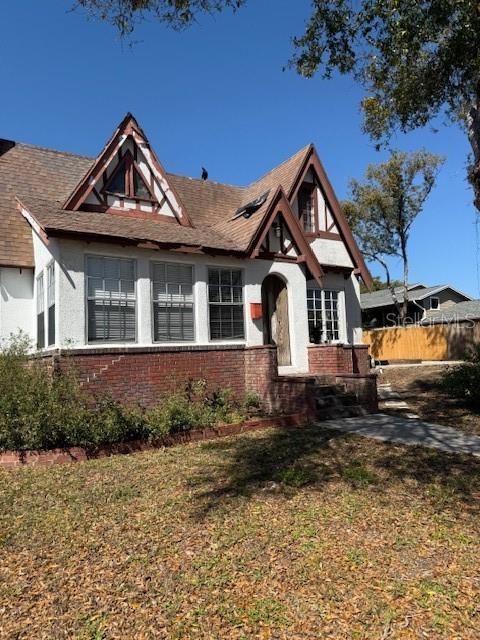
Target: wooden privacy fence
435, 342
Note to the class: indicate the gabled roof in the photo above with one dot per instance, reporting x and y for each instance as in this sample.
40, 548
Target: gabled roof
459, 312
383, 297
31, 170
51, 186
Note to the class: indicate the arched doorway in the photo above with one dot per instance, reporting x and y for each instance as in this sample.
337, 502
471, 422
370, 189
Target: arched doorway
276, 328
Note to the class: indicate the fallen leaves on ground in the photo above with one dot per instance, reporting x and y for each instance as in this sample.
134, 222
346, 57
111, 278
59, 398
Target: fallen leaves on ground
222, 540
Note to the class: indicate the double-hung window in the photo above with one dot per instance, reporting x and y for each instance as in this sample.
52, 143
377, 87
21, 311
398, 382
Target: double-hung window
323, 315
111, 299
172, 298
225, 301
40, 312
51, 302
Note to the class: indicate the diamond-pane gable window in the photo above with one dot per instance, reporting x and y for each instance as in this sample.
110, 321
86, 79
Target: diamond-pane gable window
173, 304
225, 298
111, 299
323, 318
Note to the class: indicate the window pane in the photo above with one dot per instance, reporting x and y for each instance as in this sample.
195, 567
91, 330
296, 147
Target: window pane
214, 293
111, 299
225, 295
117, 183
226, 277
51, 325
40, 330
213, 276
237, 277
173, 314
139, 186
95, 267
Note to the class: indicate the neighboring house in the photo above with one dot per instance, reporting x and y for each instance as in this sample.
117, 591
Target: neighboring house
379, 308
150, 277
460, 312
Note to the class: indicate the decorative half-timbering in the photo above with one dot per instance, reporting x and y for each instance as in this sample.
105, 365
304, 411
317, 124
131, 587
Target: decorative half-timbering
114, 253
128, 177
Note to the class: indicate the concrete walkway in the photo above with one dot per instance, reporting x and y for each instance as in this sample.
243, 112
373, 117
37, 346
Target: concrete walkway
390, 428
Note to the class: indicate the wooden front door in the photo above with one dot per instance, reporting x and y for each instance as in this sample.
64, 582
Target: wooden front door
276, 328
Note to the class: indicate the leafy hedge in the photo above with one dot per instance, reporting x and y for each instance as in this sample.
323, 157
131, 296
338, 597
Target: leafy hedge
39, 410
463, 381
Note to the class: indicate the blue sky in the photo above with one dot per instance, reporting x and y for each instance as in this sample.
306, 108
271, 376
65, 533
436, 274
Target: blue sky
216, 95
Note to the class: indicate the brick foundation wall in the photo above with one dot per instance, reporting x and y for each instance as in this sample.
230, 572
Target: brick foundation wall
338, 358
144, 375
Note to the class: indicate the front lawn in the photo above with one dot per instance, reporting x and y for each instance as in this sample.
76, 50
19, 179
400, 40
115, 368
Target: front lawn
300, 533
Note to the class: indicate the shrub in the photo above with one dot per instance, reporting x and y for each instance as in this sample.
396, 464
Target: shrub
463, 381
37, 409
41, 410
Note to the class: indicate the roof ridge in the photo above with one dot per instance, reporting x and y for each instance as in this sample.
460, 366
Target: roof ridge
50, 150
208, 181
267, 173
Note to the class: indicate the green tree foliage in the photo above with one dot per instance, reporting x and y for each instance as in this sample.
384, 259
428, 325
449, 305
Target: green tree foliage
383, 207
417, 59
378, 284
124, 15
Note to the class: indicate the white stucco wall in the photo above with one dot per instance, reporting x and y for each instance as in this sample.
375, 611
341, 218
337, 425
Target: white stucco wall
16, 302
44, 254
71, 294
332, 252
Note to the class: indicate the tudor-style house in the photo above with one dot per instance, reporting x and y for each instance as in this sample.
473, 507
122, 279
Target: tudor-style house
119, 261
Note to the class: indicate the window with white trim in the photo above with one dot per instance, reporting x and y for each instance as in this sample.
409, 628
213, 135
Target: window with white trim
323, 315
225, 301
111, 299
51, 302
40, 312
434, 303
172, 299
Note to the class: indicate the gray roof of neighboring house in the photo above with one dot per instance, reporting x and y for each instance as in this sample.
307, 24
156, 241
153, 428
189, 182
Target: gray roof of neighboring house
459, 312
383, 298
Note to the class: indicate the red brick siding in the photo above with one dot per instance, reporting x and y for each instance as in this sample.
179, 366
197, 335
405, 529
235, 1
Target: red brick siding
338, 358
146, 376
143, 376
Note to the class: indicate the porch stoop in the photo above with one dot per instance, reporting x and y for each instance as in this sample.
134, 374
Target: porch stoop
329, 397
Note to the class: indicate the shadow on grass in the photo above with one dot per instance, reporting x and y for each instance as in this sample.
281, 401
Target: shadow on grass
431, 402
283, 461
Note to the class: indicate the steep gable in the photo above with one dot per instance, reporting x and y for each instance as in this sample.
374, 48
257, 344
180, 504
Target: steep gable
334, 219
128, 177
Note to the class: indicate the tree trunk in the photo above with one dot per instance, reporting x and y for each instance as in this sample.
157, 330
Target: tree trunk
473, 128
390, 286
404, 310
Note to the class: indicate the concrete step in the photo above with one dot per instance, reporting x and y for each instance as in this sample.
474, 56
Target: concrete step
322, 390
332, 413
338, 400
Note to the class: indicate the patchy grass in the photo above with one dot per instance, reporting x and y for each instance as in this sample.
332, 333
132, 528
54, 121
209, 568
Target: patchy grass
421, 389
301, 533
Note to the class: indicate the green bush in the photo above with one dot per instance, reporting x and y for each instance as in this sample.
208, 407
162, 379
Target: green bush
463, 381
41, 410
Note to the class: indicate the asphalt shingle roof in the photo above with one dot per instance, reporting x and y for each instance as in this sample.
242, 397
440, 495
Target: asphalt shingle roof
459, 312
383, 298
43, 179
